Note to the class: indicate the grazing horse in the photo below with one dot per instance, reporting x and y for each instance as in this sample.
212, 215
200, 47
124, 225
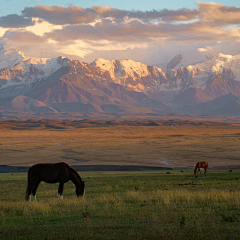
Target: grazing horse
201, 165
53, 173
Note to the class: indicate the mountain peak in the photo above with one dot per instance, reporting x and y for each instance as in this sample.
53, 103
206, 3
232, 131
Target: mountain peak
11, 57
14, 51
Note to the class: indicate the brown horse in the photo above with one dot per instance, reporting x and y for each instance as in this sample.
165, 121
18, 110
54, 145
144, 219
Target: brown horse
201, 165
53, 173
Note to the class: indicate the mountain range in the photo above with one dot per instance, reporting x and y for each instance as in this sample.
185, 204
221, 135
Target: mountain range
193, 83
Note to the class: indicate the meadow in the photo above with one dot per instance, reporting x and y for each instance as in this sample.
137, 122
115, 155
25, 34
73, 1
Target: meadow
125, 205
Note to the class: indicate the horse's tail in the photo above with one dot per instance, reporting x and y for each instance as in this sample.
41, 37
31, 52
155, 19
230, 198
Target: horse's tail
28, 186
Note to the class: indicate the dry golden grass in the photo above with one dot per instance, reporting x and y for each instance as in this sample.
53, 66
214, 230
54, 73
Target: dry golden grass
182, 146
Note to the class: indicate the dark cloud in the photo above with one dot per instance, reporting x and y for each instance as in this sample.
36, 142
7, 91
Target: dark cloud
15, 21
60, 15
77, 15
134, 31
23, 36
137, 31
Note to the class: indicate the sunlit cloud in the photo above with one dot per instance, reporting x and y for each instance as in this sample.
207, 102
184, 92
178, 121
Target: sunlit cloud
2, 31
218, 13
75, 31
41, 27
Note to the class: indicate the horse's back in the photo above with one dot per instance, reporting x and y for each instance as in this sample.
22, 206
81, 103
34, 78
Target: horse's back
202, 164
49, 172
42, 166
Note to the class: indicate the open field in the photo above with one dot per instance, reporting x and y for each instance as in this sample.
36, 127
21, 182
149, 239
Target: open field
125, 205
178, 146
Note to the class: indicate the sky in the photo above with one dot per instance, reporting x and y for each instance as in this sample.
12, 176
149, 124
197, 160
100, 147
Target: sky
147, 31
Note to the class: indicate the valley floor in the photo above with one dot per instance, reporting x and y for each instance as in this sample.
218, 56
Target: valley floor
92, 146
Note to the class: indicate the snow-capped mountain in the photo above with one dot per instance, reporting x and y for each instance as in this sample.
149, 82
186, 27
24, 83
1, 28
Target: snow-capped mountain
19, 73
65, 85
10, 58
135, 75
143, 78
226, 65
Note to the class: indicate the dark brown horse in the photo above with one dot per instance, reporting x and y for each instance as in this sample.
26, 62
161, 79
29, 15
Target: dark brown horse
53, 173
200, 165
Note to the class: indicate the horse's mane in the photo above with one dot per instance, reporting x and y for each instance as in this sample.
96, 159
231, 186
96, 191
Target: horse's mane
75, 172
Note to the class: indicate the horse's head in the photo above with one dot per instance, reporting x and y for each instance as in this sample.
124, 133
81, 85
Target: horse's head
80, 189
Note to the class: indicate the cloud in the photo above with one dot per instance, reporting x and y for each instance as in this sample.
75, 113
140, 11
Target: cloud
84, 32
137, 31
61, 15
15, 21
41, 27
207, 22
22, 36
218, 13
134, 31
77, 15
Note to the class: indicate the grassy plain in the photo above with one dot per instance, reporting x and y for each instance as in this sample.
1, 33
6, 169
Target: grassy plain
125, 205
182, 146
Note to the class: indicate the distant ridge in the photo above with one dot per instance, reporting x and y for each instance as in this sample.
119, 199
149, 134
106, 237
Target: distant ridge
61, 85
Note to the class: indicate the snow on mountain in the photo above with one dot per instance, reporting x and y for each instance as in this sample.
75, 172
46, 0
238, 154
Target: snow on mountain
143, 78
22, 72
11, 57
19, 71
221, 64
135, 75
124, 82
189, 58
123, 68
198, 83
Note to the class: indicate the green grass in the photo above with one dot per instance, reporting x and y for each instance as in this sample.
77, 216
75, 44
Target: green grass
125, 205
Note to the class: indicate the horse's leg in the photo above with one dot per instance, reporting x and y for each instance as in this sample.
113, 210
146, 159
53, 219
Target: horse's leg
60, 190
29, 191
205, 170
35, 190
58, 195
